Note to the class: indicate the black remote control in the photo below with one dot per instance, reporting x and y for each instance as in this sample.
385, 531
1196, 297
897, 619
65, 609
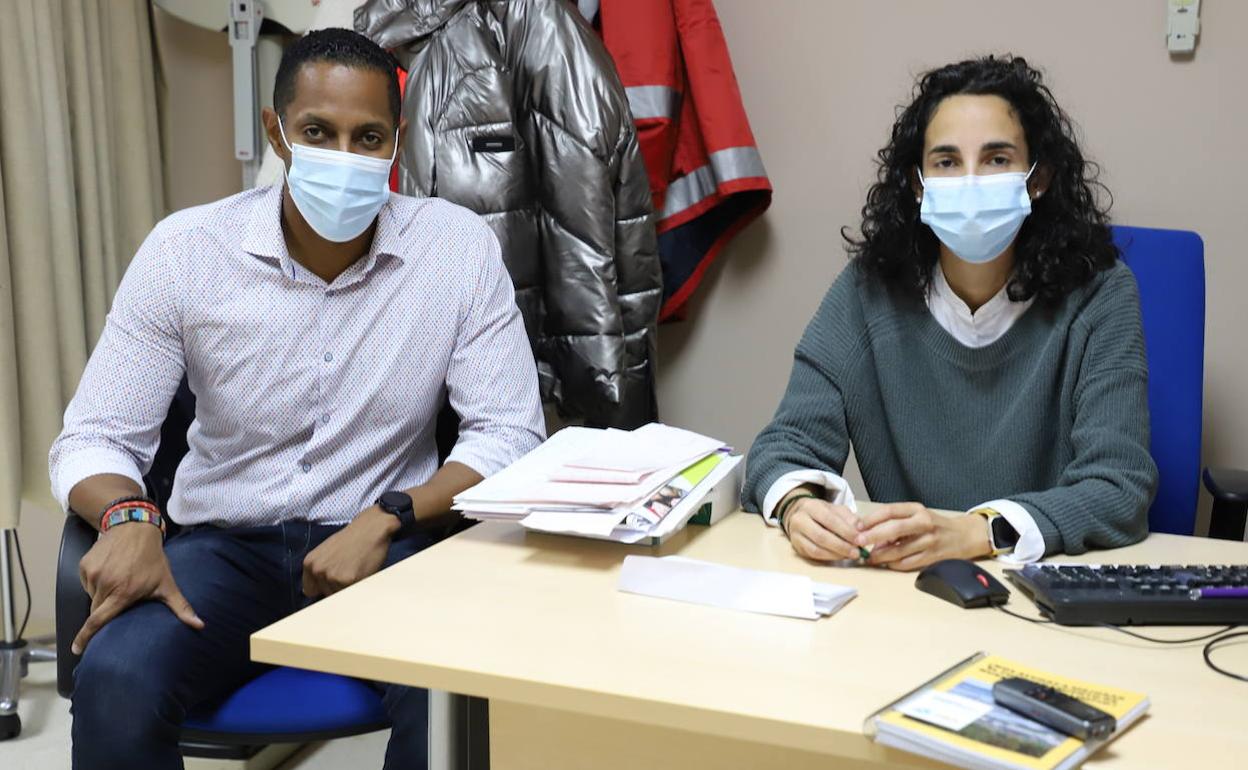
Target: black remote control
1053, 708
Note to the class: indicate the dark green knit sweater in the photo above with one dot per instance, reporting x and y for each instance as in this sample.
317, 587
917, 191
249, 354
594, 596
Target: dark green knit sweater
1053, 415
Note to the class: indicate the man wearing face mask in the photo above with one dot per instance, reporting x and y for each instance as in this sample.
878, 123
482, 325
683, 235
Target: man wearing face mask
321, 323
982, 353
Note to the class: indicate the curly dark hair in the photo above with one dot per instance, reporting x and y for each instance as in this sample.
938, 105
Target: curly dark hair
1062, 244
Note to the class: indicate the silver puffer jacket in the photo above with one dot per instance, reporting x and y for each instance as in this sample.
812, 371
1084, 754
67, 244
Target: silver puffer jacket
515, 111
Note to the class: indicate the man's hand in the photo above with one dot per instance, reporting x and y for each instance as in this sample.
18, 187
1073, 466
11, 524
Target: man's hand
128, 565
821, 531
907, 536
350, 554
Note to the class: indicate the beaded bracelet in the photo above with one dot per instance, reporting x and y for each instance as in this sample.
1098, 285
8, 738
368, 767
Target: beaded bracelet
134, 510
786, 505
131, 501
143, 499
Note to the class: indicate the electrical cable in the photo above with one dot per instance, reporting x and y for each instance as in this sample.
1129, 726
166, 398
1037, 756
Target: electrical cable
1038, 621
1214, 638
21, 563
1212, 645
1155, 640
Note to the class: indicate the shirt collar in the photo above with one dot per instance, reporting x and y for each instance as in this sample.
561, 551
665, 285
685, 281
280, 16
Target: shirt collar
982, 327
999, 305
263, 236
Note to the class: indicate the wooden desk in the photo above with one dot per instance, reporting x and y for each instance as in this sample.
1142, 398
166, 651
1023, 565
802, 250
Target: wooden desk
580, 675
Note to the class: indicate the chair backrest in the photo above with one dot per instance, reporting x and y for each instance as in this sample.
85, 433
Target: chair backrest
1169, 266
172, 447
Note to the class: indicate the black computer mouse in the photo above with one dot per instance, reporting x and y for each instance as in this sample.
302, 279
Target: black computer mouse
963, 583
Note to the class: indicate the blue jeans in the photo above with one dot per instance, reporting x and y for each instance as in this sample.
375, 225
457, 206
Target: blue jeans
143, 672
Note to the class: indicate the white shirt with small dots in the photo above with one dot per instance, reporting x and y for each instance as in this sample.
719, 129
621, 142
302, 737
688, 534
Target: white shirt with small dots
311, 398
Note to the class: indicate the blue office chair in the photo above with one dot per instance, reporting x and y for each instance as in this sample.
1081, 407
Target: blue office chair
282, 705
1169, 266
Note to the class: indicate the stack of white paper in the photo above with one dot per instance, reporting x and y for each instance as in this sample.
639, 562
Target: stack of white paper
734, 588
620, 485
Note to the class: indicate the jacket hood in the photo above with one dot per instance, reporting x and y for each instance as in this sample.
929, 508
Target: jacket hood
394, 23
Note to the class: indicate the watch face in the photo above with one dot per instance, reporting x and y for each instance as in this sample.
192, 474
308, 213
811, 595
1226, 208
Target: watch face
395, 501
1004, 536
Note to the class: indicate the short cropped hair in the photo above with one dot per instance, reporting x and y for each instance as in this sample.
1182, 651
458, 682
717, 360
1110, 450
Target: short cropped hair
340, 46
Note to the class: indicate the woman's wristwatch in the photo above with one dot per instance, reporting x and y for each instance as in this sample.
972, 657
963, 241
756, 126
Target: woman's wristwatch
1002, 537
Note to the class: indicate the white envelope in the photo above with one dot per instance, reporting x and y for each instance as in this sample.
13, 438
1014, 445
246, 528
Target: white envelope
560, 523
734, 588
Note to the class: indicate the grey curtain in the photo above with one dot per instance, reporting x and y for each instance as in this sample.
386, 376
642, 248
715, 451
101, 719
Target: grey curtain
80, 187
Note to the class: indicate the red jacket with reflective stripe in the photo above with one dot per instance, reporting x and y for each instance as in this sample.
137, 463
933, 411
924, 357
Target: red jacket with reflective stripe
394, 170
706, 174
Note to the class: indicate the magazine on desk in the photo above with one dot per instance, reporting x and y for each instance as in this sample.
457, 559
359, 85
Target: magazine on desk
953, 718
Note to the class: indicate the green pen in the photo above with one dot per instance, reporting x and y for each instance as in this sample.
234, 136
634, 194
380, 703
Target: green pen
863, 553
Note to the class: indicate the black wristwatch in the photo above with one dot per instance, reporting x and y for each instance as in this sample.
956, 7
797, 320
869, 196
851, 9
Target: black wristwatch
399, 505
1002, 537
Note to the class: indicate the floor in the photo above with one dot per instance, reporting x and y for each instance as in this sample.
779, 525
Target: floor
44, 742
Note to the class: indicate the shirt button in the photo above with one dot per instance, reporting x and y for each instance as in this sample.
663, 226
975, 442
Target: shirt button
306, 467
324, 419
329, 357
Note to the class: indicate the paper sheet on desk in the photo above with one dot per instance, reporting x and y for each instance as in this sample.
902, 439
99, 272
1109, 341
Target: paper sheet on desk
734, 588
647, 449
526, 481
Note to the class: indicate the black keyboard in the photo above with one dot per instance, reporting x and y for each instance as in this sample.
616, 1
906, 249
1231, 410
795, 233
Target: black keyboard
1135, 595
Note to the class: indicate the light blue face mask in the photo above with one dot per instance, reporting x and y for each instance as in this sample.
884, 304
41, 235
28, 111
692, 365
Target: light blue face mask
977, 217
338, 193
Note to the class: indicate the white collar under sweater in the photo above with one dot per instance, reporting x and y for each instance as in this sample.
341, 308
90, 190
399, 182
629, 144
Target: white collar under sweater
975, 330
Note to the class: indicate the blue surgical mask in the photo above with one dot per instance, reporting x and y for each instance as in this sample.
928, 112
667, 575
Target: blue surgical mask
977, 217
338, 193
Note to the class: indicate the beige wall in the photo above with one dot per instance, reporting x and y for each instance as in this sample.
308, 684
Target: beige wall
820, 79
197, 113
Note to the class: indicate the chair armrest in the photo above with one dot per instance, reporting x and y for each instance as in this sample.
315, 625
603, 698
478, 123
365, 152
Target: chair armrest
1229, 487
1230, 484
72, 603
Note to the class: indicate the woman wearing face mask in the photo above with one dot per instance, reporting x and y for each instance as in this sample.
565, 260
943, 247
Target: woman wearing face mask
981, 353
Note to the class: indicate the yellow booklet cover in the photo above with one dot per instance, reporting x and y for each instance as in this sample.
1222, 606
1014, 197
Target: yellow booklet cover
953, 718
